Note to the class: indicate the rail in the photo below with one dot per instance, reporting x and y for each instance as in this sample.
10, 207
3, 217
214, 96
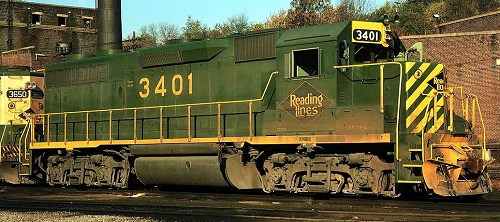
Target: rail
46, 118
23, 147
472, 102
1, 140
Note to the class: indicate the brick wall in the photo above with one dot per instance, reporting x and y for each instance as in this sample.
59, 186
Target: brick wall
21, 57
29, 57
484, 22
470, 61
46, 35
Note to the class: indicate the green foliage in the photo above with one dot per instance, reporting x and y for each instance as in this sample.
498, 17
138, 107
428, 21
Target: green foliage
457, 9
194, 29
489, 5
238, 24
417, 17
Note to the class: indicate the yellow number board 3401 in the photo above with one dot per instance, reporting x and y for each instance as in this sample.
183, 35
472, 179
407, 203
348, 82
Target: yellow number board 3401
368, 32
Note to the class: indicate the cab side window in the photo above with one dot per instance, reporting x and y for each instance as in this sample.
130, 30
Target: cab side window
306, 63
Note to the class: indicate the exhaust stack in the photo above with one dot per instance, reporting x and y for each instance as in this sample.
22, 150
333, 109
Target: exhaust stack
109, 17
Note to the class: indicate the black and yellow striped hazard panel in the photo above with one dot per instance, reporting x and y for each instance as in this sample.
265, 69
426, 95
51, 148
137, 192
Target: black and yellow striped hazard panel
425, 105
9, 153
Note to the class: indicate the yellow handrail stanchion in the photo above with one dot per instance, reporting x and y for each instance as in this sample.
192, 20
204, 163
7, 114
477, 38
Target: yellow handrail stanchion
450, 95
382, 89
25, 131
1, 141
250, 120
484, 129
219, 134
466, 111
48, 130
435, 110
135, 125
473, 121
161, 125
33, 124
110, 127
65, 129
87, 126
31, 134
189, 123
43, 125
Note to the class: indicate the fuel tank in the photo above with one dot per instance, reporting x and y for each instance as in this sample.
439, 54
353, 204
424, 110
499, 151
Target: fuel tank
185, 170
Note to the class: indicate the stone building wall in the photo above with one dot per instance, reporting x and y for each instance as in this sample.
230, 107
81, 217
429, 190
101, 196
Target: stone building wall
44, 26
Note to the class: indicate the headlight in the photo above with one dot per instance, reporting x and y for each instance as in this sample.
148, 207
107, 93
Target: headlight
30, 85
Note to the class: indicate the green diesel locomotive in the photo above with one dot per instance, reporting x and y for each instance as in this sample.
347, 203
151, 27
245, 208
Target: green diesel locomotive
334, 109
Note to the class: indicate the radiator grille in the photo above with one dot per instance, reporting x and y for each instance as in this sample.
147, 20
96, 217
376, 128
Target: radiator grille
161, 58
78, 76
255, 47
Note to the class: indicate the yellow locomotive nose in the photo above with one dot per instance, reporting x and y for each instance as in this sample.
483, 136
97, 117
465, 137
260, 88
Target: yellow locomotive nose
21, 94
456, 171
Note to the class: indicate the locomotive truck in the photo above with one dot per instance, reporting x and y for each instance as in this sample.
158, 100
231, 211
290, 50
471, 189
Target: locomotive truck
334, 109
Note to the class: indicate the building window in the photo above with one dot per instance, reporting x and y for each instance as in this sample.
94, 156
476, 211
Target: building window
87, 22
36, 19
306, 63
61, 21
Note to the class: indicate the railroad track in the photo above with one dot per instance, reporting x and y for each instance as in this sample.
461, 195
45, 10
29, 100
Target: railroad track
180, 206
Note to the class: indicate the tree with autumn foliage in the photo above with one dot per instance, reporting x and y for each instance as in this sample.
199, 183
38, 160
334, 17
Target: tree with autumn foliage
275, 20
306, 13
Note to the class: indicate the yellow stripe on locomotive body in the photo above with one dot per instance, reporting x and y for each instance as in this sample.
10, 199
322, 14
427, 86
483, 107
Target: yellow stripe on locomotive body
369, 32
424, 84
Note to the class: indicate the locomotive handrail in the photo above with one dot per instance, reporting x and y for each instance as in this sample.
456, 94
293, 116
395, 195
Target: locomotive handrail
381, 71
465, 111
167, 106
483, 126
160, 108
24, 136
3, 134
1, 141
426, 120
465, 105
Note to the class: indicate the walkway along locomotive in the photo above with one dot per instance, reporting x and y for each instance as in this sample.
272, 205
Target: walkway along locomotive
323, 109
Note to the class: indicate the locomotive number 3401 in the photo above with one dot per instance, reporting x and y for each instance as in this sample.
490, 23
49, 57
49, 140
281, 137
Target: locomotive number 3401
177, 86
367, 35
